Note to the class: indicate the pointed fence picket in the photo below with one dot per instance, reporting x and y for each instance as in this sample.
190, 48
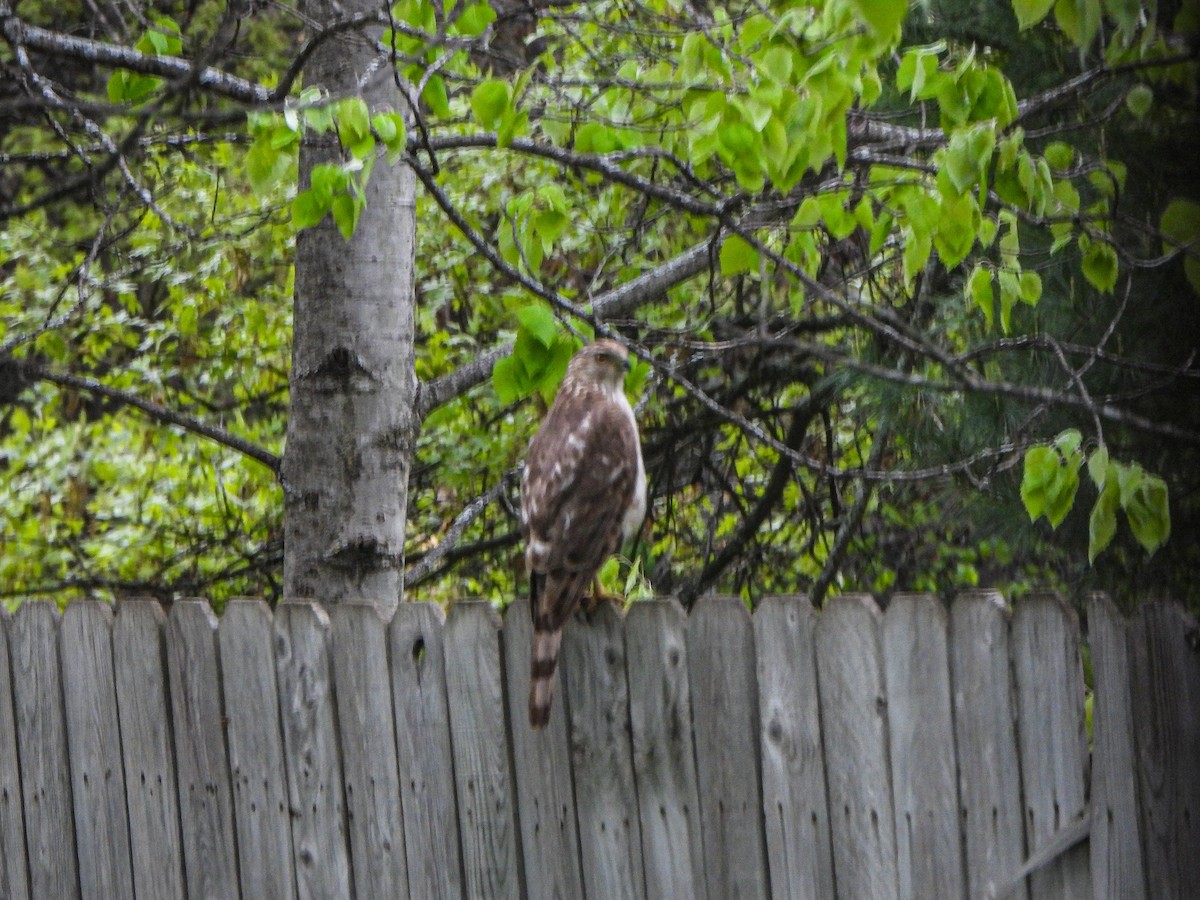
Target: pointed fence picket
923, 750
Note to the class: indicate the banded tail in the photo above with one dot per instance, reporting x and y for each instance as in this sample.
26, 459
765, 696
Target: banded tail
553, 598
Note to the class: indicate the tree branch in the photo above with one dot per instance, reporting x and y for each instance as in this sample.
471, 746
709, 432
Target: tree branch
154, 410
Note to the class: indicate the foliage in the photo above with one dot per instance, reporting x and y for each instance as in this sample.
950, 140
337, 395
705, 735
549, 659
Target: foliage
921, 255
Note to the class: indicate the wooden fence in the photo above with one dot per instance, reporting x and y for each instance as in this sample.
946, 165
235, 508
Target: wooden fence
924, 752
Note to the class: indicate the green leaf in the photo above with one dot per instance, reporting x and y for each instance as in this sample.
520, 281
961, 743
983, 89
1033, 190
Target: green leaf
738, 256
538, 320
983, 293
436, 96
1180, 227
508, 380
1102, 524
346, 210
489, 101
1030, 12
1139, 100
1149, 513
882, 16
1098, 468
1079, 19
474, 19
1031, 288
308, 209
1099, 265
1041, 465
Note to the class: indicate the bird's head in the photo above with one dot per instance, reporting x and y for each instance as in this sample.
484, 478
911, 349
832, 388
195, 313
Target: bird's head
604, 362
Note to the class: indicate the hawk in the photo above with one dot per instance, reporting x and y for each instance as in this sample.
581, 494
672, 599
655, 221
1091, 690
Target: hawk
583, 493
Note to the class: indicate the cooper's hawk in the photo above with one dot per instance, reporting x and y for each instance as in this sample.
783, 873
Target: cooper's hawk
583, 493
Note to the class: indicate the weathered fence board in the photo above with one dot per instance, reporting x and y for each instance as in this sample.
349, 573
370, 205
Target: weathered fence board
423, 752
1116, 851
542, 768
139, 667
14, 879
854, 727
1053, 744
94, 741
478, 728
921, 738
314, 766
1165, 652
368, 743
793, 769
922, 752
42, 748
201, 756
602, 757
721, 667
260, 792
660, 719
989, 773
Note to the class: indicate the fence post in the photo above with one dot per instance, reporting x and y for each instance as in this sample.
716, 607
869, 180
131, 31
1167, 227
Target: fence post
929, 856
664, 765
721, 668
14, 878
1053, 746
42, 747
601, 757
854, 726
262, 811
794, 796
97, 772
1165, 684
985, 733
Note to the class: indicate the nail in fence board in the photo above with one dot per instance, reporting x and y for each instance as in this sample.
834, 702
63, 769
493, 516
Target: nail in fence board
94, 741
256, 754
423, 752
854, 727
721, 669
311, 742
542, 765
1116, 852
921, 743
483, 779
205, 796
989, 776
793, 774
660, 717
368, 742
1053, 745
42, 747
14, 878
1165, 653
601, 756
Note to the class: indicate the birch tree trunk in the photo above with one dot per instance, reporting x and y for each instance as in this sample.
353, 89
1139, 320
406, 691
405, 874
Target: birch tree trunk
351, 425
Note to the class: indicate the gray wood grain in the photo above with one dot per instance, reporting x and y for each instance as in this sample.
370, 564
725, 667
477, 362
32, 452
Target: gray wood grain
94, 741
260, 791
1165, 654
854, 727
42, 747
985, 733
593, 663
542, 767
1053, 744
205, 796
795, 808
14, 876
721, 670
315, 794
1116, 851
140, 671
660, 718
483, 780
423, 752
929, 856
363, 687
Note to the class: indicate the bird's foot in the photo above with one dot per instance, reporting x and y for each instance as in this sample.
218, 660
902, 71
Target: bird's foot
597, 598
